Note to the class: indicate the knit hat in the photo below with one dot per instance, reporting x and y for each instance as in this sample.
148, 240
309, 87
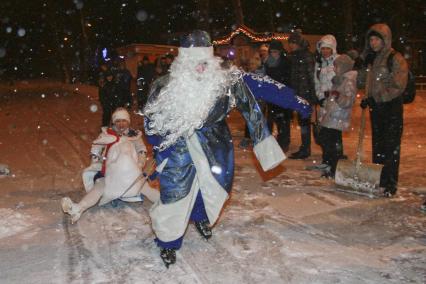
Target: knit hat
120, 113
276, 45
295, 37
345, 63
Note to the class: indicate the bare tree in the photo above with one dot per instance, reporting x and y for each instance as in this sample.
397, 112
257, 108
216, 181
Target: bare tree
238, 8
203, 10
348, 14
57, 43
84, 48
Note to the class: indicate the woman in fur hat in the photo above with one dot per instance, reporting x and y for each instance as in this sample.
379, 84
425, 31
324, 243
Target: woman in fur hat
118, 156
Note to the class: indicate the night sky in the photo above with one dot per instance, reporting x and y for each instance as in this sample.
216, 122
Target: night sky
36, 36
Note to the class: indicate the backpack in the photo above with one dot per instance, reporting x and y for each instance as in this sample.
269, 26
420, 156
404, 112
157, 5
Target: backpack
409, 93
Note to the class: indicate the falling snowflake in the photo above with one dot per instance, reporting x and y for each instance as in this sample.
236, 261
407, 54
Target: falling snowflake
21, 32
93, 108
141, 15
216, 170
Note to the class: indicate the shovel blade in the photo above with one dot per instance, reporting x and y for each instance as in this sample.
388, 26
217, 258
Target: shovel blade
365, 180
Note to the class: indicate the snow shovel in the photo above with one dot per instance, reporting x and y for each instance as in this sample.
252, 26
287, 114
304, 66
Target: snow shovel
355, 176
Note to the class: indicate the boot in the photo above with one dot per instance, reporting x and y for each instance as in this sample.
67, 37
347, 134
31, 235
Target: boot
327, 173
204, 229
168, 256
389, 192
300, 155
71, 208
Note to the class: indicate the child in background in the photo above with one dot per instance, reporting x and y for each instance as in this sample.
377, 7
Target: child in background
336, 112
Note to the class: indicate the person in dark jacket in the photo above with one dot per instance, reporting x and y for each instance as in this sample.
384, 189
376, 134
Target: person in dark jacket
108, 97
277, 67
103, 69
123, 79
145, 75
385, 88
302, 63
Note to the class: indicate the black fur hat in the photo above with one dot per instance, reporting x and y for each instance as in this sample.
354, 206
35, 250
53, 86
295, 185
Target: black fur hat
197, 38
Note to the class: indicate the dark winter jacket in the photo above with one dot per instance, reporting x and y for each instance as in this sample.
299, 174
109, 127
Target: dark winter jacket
302, 64
145, 75
280, 72
109, 96
123, 81
385, 85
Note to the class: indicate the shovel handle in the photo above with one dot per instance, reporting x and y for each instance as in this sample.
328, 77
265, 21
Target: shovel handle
359, 150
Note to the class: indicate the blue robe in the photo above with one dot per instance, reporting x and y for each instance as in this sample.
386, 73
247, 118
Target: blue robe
177, 176
266, 89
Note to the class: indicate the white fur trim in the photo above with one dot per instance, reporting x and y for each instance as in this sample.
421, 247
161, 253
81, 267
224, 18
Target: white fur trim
214, 195
120, 113
196, 52
104, 139
327, 41
269, 153
169, 221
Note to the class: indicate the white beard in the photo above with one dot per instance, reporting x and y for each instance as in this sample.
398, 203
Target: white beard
183, 105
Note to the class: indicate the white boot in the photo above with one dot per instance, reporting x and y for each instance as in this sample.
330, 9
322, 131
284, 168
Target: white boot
71, 208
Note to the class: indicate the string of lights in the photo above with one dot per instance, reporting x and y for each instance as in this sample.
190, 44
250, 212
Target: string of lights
252, 35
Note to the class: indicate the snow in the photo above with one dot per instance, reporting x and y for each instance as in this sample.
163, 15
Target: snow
283, 226
13, 222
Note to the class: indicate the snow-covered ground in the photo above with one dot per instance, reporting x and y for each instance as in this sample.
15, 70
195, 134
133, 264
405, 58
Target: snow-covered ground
285, 226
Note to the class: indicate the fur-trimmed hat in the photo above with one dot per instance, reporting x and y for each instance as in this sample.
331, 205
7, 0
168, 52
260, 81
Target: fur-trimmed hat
345, 63
120, 113
197, 38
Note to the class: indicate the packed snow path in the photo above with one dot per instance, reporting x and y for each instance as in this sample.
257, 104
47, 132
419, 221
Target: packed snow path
285, 226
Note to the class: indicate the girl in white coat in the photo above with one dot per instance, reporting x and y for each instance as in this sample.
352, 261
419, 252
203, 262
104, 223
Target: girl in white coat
324, 72
336, 113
